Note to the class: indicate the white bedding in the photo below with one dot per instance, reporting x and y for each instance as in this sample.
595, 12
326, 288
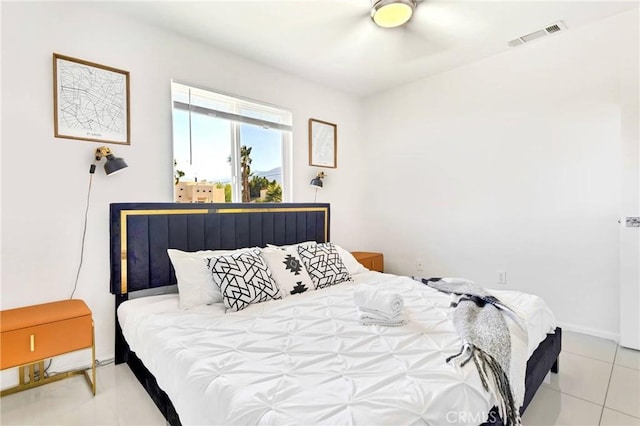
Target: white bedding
306, 360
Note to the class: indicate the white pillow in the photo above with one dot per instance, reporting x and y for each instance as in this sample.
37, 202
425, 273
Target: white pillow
288, 246
353, 266
288, 270
195, 283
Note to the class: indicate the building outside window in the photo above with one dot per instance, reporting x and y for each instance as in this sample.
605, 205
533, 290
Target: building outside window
229, 149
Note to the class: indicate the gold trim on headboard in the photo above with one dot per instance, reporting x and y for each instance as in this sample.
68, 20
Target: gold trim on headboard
123, 235
126, 213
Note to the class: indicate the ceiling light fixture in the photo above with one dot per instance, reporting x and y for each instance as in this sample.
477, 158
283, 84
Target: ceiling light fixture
392, 13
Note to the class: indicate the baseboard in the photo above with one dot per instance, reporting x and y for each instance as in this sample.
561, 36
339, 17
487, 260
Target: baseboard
590, 331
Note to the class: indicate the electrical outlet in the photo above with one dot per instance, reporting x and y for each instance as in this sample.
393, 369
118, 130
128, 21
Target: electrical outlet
502, 277
419, 265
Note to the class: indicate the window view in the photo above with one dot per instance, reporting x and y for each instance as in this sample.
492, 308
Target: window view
227, 149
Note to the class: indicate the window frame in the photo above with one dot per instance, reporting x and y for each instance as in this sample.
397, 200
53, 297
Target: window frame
235, 121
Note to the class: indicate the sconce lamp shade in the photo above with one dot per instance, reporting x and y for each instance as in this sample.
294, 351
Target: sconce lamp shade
113, 164
392, 13
316, 182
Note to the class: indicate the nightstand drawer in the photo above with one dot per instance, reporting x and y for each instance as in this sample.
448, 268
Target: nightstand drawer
31, 334
370, 260
27, 345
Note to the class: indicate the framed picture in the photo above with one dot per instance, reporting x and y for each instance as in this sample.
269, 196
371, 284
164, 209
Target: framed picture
90, 101
323, 143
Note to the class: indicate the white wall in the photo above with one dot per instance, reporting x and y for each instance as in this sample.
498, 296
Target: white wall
44, 179
510, 163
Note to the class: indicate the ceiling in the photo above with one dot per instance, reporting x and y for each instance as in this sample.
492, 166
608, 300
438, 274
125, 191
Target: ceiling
335, 43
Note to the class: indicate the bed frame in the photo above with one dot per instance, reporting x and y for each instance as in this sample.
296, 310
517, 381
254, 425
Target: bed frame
140, 234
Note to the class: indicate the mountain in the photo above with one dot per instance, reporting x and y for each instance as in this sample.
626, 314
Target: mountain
273, 174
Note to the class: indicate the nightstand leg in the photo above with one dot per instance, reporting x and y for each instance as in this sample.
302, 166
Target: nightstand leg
93, 359
91, 381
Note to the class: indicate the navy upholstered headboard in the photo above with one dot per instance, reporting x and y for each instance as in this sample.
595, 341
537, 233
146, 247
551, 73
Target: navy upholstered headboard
141, 233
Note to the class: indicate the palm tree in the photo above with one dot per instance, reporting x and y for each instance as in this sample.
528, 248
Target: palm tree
245, 164
274, 193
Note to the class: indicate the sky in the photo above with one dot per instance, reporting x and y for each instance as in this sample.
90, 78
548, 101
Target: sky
211, 145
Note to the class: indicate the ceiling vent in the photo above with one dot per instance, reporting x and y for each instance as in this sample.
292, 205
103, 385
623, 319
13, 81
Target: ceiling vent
551, 29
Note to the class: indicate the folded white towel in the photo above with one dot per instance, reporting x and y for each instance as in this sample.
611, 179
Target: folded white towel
376, 298
384, 323
377, 315
369, 317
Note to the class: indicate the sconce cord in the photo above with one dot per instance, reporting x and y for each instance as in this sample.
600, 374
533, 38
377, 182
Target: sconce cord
92, 170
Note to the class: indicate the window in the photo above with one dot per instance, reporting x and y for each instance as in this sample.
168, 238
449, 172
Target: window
228, 149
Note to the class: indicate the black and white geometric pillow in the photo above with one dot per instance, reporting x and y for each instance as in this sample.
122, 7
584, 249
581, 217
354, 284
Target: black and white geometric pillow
288, 270
324, 264
243, 278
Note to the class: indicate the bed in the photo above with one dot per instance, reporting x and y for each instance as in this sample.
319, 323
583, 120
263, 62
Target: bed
304, 359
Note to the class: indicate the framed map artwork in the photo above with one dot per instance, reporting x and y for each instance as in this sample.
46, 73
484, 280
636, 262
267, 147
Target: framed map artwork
323, 141
91, 101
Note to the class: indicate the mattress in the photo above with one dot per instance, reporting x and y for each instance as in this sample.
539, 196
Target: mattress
306, 359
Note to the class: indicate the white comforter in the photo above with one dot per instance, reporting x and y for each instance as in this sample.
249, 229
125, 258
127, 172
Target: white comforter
306, 360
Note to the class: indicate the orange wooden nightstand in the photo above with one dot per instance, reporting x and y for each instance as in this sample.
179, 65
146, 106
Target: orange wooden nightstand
370, 260
31, 334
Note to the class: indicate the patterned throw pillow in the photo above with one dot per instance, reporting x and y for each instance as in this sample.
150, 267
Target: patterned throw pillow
324, 264
243, 278
288, 270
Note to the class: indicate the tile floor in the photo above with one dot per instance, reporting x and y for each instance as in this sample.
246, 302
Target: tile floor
119, 400
598, 384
